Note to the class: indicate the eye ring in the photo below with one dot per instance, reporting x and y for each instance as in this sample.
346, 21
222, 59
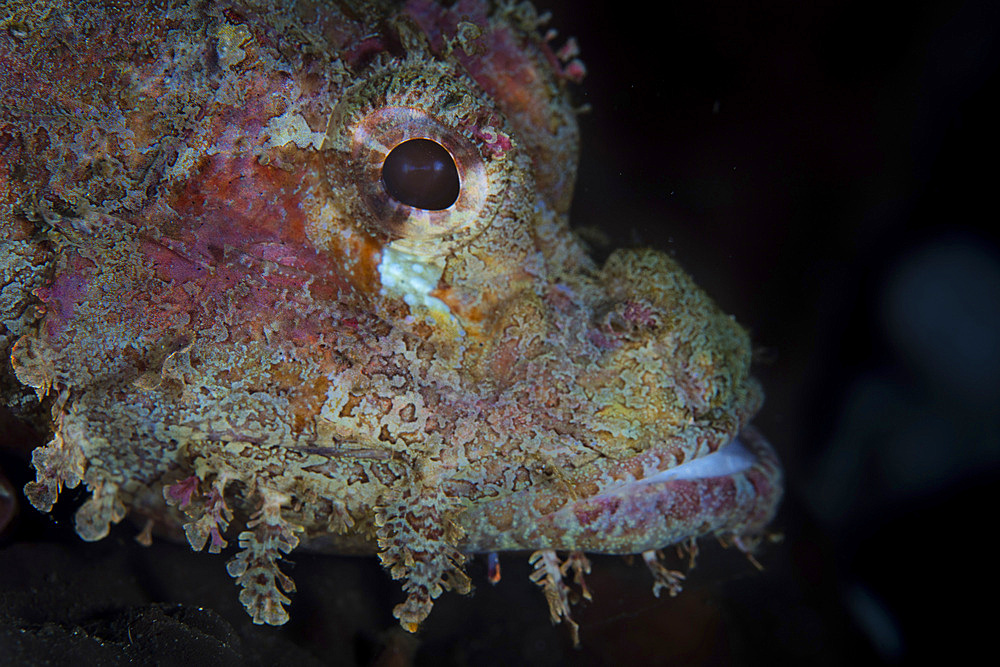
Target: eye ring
383, 130
433, 100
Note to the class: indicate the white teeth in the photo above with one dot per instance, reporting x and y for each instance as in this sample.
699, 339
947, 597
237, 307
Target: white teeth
727, 460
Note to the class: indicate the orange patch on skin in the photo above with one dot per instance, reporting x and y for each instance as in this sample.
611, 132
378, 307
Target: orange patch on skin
306, 402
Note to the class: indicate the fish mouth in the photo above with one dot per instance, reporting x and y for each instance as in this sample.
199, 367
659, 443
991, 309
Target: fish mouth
731, 492
746, 462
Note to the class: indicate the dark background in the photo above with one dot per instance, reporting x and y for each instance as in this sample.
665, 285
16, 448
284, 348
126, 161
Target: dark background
826, 171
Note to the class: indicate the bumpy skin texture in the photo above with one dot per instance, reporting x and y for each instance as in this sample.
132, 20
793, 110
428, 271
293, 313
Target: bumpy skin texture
233, 329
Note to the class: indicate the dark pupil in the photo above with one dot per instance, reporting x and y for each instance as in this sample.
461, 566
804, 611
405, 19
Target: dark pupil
421, 173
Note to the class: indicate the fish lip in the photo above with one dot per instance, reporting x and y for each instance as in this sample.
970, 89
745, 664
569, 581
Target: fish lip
639, 514
746, 451
747, 460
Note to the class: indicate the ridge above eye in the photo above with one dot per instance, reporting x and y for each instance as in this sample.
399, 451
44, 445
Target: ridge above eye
421, 173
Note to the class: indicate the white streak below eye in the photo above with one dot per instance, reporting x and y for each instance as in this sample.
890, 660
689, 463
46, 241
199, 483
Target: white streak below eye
412, 278
727, 460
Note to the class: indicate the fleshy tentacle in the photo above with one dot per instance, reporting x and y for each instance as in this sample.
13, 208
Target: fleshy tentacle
417, 539
255, 568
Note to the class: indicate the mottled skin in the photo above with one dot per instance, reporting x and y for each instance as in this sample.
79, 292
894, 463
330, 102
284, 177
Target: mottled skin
195, 244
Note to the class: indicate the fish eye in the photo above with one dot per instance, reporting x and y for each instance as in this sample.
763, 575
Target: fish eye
421, 173
416, 175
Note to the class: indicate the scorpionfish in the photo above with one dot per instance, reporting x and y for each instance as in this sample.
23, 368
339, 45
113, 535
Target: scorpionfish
295, 274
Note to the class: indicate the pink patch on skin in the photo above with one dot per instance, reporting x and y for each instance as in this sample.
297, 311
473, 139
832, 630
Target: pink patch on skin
601, 341
279, 254
215, 507
639, 313
436, 22
575, 71
496, 141
506, 71
364, 50
181, 492
217, 542
250, 234
65, 293
569, 50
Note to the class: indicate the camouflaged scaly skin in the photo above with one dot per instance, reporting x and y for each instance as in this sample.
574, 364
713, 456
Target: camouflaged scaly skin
197, 257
